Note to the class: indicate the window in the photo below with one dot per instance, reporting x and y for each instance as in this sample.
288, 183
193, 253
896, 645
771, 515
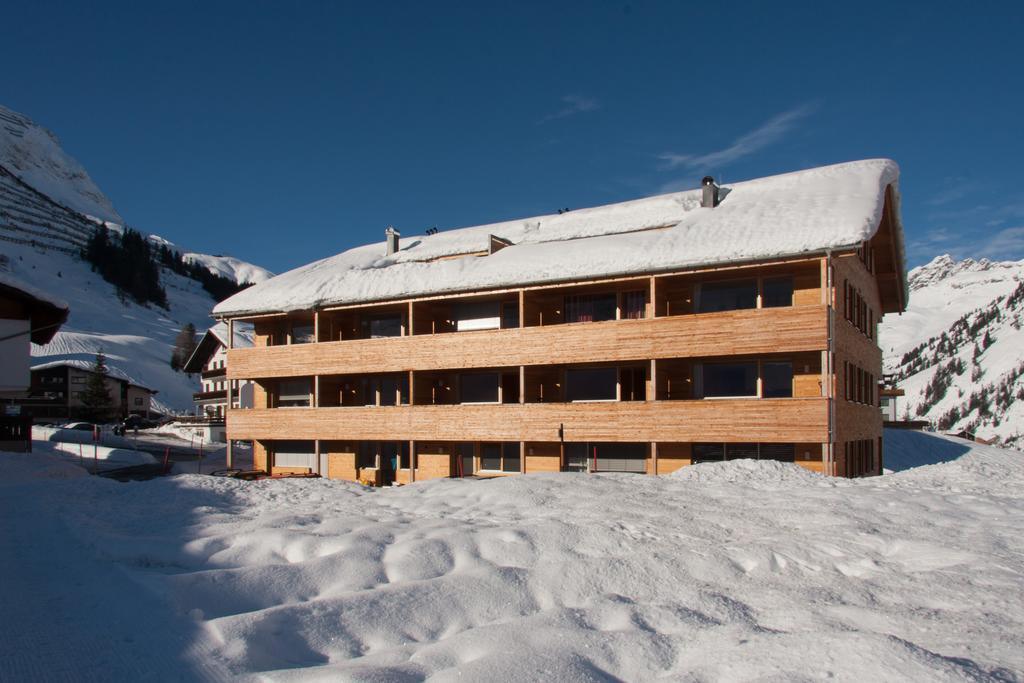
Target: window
741, 451
633, 304
377, 326
490, 456
477, 315
77, 394
138, 400
786, 452
588, 308
294, 393
708, 452
777, 292
510, 456
78, 379
366, 454
722, 380
634, 384
295, 454
302, 334
619, 457
777, 381
510, 315
590, 384
726, 296
478, 388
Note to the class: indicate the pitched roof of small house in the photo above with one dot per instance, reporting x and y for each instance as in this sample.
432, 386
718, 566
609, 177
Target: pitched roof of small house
46, 312
212, 339
811, 211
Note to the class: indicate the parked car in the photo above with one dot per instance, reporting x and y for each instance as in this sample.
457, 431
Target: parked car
138, 422
80, 426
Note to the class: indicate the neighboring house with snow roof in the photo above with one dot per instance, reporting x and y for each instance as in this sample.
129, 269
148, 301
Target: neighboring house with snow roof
209, 361
58, 386
717, 323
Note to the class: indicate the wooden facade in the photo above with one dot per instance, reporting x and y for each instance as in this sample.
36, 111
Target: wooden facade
409, 406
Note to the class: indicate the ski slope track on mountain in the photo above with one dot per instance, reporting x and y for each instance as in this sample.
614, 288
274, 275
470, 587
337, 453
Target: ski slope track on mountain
740, 570
49, 207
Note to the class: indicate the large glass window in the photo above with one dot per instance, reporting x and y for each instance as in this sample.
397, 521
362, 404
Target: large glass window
720, 380
633, 304
708, 452
294, 393
510, 456
619, 457
302, 334
590, 384
727, 296
777, 292
295, 454
510, 315
588, 308
478, 387
378, 326
785, 452
477, 315
490, 457
741, 451
777, 381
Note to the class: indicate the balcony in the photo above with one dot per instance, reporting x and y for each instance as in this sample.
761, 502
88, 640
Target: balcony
744, 332
215, 372
781, 420
218, 395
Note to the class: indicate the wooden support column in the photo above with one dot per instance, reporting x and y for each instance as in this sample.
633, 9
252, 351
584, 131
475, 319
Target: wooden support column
316, 391
522, 457
522, 308
316, 326
229, 455
316, 454
654, 458
652, 382
411, 329
412, 394
652, 296
522, 384
412, 458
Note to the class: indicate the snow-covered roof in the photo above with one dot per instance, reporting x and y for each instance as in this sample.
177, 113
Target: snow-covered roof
243, 334
8, 280
215, 337
830, 207
87, 365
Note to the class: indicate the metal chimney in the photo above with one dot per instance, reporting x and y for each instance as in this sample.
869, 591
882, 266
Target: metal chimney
391, 236
709, 200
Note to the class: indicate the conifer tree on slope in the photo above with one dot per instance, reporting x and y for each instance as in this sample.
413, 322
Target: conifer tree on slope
184, 346
97, 405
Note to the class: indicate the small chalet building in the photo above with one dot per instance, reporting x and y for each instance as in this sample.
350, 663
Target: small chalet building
27, 316
57, 388
718, 323
209, 360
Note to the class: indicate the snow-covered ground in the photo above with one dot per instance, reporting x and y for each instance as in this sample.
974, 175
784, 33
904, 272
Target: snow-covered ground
728, 571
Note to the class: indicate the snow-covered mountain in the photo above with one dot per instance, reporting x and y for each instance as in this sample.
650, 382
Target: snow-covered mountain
958, 351
49, 206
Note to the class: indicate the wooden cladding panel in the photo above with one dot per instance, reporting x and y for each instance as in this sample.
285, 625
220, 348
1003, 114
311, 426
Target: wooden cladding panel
769, 420
752, 331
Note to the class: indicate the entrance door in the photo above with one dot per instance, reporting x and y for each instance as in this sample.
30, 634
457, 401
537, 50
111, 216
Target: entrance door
464, 460
388, 461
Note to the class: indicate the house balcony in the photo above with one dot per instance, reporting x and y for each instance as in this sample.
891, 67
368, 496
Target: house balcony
743, 332
214, 373
204, 396
728, 420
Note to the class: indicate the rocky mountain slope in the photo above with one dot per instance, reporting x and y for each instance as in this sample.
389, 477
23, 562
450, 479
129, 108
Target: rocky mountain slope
49, 206
958, 351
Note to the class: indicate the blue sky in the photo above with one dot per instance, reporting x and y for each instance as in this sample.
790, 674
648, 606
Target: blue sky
285, 132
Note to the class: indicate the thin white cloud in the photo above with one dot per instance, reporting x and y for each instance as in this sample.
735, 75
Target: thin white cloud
764, 135
1005, 244
572, 105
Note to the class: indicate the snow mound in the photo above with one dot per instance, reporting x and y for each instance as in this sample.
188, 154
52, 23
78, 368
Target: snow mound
753, 472
22, 467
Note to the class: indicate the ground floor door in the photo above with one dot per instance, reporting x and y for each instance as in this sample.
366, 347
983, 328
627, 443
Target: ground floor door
464, 460
606, 457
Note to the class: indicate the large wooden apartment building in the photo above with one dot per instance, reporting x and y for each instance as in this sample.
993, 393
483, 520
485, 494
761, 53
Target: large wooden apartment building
718, 323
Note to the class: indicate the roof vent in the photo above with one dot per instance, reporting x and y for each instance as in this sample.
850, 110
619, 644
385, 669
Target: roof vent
391, 236
709, 199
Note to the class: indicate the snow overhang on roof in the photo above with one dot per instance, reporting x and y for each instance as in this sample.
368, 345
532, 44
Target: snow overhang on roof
806, 212
46, 312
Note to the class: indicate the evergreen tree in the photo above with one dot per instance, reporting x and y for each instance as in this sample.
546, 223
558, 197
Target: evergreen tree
184, 346
97, 405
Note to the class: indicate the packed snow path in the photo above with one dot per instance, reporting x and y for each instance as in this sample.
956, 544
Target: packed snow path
729, 571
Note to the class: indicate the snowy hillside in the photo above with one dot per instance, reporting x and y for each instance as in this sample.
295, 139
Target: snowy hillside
733, 571
49, 207
958, 351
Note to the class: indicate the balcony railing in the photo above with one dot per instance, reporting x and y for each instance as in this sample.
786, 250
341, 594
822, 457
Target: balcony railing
218, 395
746, 332
781, 420
215, 372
